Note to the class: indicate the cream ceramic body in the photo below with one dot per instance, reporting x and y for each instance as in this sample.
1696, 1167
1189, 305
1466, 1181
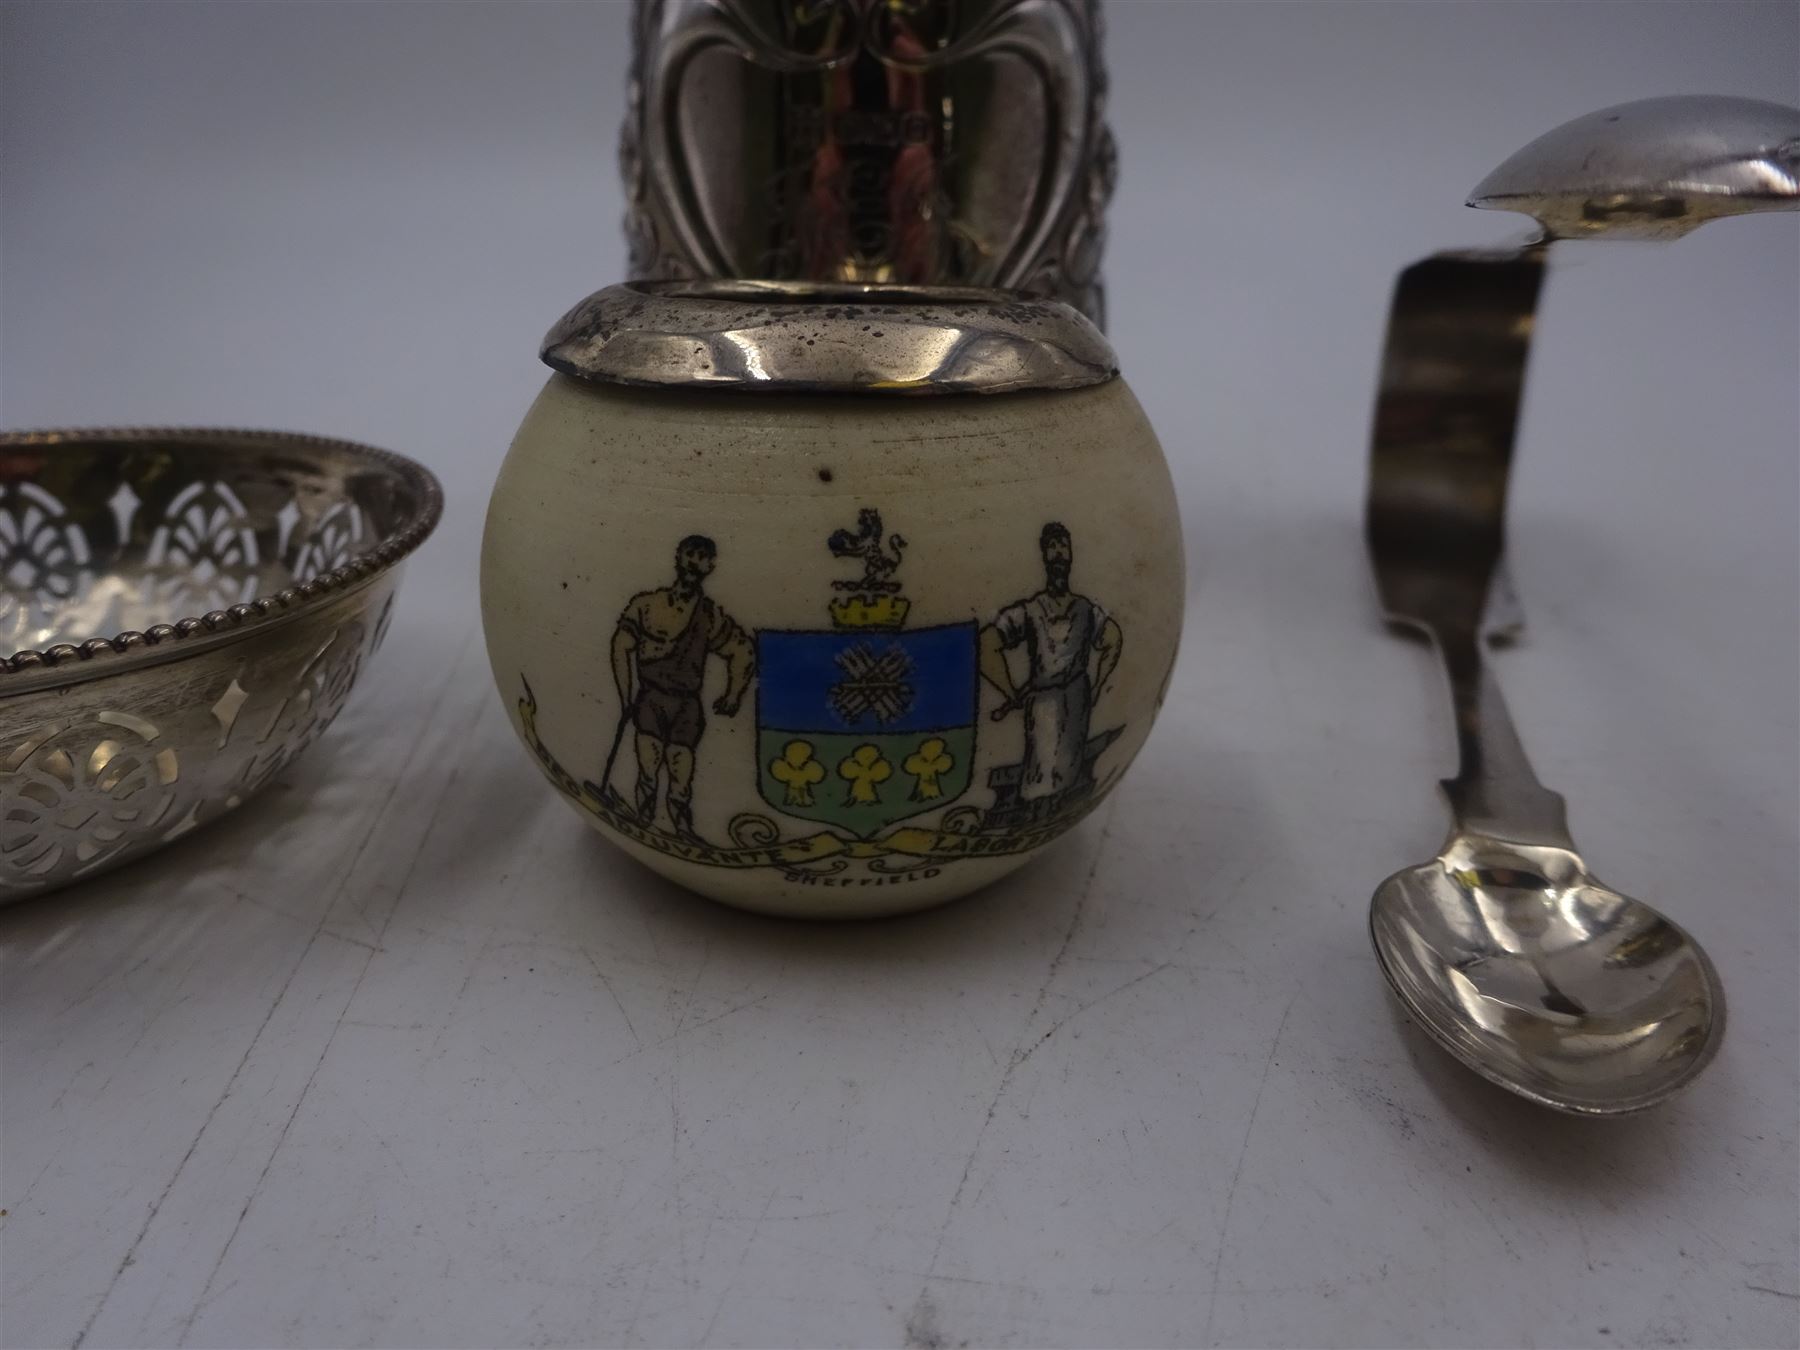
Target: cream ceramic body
873, 763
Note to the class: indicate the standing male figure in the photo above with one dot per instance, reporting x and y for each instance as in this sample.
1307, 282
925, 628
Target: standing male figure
1071, 647
659, 653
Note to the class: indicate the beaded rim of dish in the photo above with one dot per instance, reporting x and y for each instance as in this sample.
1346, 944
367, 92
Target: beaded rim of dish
104, 655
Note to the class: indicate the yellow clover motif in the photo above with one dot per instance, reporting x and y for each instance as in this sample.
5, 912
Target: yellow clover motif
796, 770
864, 769
925, 765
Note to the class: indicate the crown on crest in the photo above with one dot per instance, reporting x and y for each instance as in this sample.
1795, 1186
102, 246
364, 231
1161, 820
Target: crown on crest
873, 599
861, 611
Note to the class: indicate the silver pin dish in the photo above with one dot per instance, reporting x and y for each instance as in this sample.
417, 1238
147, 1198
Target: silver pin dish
187, 611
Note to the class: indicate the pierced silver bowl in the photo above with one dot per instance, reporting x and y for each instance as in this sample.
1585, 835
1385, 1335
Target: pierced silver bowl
284, 550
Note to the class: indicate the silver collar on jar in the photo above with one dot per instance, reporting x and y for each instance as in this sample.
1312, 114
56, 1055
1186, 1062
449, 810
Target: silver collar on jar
810, 337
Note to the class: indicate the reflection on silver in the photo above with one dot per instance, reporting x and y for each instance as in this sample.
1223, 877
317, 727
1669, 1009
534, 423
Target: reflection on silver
1652, 169
809, 337
912, 142
1564, 991
193, 608
1505, 947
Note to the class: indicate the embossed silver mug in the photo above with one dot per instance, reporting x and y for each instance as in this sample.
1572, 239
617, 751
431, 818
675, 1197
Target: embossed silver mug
931, 142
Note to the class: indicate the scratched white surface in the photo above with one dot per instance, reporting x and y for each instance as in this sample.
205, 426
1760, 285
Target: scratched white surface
403, 1054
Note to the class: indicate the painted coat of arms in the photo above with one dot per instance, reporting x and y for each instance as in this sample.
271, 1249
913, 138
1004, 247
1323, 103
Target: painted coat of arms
860, 726
866, 723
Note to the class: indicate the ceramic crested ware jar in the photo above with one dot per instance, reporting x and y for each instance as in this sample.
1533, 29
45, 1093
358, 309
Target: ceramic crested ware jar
826, 600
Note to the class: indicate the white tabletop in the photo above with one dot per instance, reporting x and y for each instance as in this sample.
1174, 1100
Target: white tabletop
402, 1054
